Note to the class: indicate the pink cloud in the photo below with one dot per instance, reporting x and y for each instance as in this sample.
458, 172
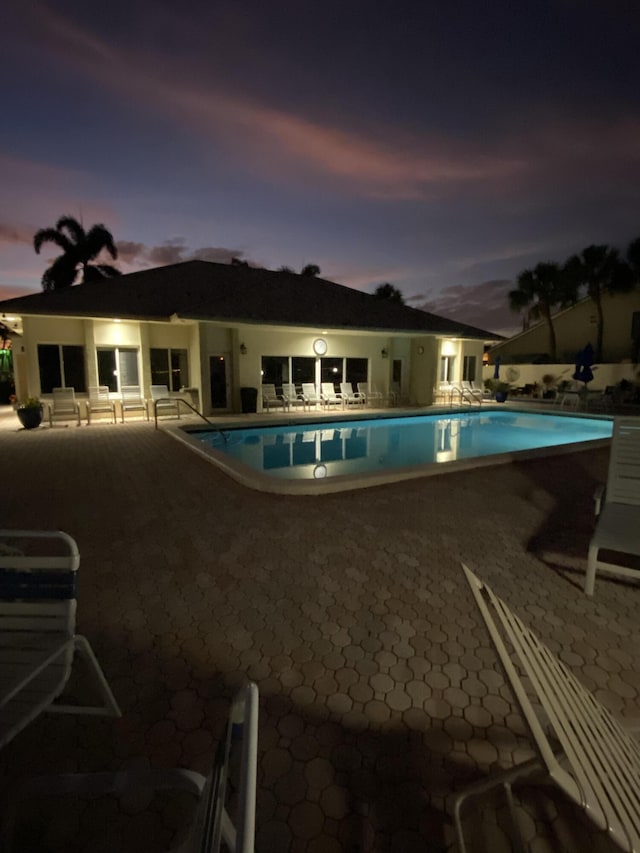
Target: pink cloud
485, 305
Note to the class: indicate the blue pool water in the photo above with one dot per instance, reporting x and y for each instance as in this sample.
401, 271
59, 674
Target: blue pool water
320, 450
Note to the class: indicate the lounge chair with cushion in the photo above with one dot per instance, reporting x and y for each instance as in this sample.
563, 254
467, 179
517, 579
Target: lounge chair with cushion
132, 401
329, 396
38, 572
618, 505
349, 396
162, 402
271, 398
469, 393
100, 402
226, 810
581, 747
63, 406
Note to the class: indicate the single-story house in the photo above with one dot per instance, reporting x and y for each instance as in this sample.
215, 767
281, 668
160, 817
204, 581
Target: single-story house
211, 329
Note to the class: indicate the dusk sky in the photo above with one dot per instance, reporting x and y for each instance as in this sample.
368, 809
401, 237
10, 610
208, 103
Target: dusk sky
442, 147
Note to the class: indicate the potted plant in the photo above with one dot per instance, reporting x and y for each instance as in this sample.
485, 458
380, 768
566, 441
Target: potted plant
548, 381
30, 412
501, 391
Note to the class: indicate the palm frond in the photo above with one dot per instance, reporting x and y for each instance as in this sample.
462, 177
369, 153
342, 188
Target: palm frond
62, 273
50, 235
97, 239
98, 272
73, 228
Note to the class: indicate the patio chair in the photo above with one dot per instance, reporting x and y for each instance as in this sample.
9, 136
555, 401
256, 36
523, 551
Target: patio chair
479, 388
37, 630
162, 402
588, 754
349, 396
372, 397
100, 402
618, 521
271, 398
310, 394
212, 822
132, 401
469, 393
292, 397
329, 396
63, 406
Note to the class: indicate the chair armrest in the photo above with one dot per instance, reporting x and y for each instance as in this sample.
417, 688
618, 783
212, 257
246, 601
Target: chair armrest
597, 497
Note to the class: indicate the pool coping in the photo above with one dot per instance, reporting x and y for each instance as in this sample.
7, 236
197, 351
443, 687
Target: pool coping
261, 482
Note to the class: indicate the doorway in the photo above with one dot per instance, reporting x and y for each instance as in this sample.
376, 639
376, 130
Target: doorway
218, 381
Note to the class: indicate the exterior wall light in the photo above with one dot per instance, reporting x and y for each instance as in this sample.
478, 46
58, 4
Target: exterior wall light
243, 349
384, 352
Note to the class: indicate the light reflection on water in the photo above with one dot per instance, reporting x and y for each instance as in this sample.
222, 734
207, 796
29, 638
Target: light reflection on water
355, 447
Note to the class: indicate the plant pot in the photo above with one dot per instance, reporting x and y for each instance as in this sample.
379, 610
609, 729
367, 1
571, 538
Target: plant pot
30, 418
501, 396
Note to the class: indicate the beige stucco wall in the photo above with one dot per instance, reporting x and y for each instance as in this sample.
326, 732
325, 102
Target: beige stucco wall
577, 326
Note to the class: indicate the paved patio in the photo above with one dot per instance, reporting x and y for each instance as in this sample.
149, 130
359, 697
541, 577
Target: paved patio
379, 690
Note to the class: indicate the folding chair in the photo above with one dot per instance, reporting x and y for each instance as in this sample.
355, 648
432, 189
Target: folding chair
593, 760
37, 631
215, 820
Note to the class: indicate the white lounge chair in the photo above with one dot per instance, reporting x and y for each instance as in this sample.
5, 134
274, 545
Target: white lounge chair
37, 629
310, 394
214, 820
63, 406
329, 396
100, 402
132, 401
371, 396
162, 402
271, 398
592, 759
349, 396
618, 523
292, 397
480, 389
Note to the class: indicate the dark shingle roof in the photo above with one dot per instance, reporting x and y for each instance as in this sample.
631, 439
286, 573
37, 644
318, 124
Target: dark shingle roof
201, 290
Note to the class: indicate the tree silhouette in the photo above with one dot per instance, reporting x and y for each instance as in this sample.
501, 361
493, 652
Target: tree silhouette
540, 290
600, 270
310, 270
79, 248
389, 292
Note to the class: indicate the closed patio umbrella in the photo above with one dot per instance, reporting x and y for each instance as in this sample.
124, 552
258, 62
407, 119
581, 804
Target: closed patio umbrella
496, 369
584, 360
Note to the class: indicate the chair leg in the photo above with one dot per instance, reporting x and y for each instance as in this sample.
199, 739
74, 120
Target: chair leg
592, 559
110, 707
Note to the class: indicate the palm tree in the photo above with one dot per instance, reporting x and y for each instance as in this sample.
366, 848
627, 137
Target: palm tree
540, 290
79, 248
601, 270
389, 292
633, 258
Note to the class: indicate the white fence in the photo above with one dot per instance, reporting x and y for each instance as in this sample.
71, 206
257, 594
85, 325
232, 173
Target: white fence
519, 375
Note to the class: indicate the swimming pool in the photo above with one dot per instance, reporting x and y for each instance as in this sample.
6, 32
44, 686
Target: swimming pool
333, 456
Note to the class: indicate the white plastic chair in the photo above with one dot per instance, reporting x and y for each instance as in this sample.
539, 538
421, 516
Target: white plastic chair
100, 402
214, 821
349, 396
618, 522
292, 397
593, 760
63, 406
371, 396
328, 395
310, 394
37, 630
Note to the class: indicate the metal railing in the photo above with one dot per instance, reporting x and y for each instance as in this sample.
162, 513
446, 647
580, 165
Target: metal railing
177, 401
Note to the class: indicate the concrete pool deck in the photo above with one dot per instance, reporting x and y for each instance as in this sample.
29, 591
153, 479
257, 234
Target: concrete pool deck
379, 691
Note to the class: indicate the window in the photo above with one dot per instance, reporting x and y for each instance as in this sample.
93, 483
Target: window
469, 368
446, 368
331, 370
275, 369
356, 370
303, 370
61, 366
118, 367
169, 367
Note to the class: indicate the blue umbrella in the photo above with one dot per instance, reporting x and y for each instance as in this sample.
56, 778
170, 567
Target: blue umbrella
496, 370
584, 360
